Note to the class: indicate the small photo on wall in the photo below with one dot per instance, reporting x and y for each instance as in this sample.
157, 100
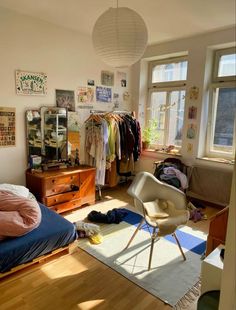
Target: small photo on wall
90, 82
65, 99
191, 132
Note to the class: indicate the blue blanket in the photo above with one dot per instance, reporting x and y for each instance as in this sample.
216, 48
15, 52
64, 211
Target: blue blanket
53, 232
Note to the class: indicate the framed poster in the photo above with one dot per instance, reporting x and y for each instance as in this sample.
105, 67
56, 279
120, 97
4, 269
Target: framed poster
107, 78
65, 99
103, 94
7, 127
31, 83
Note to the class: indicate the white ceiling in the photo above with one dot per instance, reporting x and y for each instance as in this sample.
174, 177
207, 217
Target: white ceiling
165, 19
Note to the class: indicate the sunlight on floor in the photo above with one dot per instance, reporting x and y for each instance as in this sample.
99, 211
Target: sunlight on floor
57, 269
89, 304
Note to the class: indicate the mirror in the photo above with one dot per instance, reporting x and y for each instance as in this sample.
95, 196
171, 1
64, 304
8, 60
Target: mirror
47, 133
33, 132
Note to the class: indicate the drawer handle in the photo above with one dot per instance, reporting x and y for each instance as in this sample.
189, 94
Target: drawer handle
53, 181
55, 200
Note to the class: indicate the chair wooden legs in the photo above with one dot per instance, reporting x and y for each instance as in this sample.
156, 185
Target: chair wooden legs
134, 234
177, 241
152, 245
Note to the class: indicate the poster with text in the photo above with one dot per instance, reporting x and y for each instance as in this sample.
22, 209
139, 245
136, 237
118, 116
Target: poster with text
103, 94
31, 83
7, 127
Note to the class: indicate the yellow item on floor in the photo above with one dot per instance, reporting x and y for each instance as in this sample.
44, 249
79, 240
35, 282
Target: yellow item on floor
96, 239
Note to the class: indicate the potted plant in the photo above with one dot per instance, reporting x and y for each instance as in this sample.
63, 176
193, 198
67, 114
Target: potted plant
150, 134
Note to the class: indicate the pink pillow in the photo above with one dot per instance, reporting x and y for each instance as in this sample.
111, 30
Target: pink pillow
18, 215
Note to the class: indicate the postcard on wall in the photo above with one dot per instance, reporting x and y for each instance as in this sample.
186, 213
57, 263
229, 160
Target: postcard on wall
103, 94
65, 99
193, 93
107, 78
85, 94
192, 112
191, 132
31, 83
122, 79
90, 82
7, 127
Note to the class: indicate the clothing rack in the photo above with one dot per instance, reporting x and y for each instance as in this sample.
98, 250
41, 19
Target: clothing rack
102, 112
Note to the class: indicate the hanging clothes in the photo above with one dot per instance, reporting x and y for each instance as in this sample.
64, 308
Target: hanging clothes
112, 137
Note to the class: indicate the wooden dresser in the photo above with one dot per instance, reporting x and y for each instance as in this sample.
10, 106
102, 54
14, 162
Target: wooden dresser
63, 189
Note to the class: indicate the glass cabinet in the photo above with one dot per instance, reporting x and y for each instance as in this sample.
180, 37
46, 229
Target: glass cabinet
47, 133
55, 134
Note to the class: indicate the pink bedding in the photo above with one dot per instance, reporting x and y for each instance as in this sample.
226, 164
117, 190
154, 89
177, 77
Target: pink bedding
18, 215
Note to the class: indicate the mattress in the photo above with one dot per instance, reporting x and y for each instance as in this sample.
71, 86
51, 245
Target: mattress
53, 232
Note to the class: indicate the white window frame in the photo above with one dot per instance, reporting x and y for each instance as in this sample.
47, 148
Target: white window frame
164, 87
218, 54
218, 82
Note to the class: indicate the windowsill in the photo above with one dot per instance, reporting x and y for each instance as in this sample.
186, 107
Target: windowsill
152, 152
217, 160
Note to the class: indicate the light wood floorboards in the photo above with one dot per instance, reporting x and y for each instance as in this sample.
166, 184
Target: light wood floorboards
79, 281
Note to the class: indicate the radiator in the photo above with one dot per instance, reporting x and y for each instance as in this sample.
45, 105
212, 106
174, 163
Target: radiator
210, 184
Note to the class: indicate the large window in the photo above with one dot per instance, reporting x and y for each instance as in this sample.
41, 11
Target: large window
167, 81
221, 131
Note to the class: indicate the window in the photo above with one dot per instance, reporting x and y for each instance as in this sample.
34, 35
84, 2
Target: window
221, 137
167, 100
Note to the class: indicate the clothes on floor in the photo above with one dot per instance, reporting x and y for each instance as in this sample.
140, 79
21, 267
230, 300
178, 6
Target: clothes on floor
89, 228
114, 216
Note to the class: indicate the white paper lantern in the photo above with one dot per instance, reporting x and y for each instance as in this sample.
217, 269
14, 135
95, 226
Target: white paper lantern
120, 37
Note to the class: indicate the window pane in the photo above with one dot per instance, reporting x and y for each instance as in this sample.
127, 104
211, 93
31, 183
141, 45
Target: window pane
224, 123
176, 117
176, 71
158, 103
227, 65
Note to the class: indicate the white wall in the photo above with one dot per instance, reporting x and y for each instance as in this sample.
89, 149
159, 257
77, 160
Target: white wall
199, 49
65, 56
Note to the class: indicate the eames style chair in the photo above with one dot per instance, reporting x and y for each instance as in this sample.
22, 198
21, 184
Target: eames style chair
162, 206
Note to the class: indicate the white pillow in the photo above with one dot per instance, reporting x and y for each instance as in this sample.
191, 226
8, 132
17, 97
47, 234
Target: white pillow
18, 190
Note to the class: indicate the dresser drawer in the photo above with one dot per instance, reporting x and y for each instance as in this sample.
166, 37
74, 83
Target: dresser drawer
61, 184
56, 199
62, 207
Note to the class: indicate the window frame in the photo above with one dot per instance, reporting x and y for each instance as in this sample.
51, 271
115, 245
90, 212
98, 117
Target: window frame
218, 54
218, 83
167, 87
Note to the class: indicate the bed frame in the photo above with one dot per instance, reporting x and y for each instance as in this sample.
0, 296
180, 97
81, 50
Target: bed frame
69, 249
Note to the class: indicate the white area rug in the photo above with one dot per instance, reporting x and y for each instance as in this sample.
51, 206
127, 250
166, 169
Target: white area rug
171, 279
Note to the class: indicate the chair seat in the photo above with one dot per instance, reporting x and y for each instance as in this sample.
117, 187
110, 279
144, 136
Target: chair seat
170, 224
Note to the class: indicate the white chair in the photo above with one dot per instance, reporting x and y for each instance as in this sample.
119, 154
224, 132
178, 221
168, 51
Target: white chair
145, 188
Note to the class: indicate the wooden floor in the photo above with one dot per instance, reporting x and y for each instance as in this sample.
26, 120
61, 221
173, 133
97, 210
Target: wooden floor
79, 281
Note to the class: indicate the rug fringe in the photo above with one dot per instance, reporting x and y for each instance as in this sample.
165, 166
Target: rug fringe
189, 297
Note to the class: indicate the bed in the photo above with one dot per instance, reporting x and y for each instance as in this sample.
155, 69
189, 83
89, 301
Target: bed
54, 233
